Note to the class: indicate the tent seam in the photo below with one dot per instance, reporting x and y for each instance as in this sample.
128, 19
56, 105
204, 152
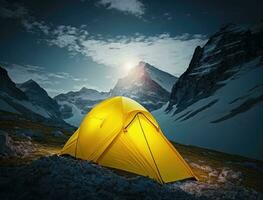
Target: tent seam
108, 147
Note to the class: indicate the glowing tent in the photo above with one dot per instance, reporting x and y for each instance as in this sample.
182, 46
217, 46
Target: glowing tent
120, 133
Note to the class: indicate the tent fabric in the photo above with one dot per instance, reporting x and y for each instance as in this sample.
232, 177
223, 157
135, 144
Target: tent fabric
120, 133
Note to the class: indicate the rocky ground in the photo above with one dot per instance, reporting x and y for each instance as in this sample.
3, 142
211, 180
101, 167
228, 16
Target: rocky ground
55, 177
30, 169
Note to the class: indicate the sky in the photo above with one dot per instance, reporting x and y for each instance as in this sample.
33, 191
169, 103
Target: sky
65, 45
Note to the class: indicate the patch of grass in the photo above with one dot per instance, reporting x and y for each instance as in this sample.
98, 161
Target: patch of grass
11, 126
46, 144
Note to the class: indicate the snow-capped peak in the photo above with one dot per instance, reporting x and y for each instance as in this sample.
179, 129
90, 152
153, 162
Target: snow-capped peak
164, 79
146, 84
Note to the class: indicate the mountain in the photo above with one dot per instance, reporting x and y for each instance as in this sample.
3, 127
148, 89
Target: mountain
75, 105
146, 84
164, 79
218, 102
31, 102
16, 101
9, 87
38, 96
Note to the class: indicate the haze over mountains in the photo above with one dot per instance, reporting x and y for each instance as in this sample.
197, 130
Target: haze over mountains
217, 103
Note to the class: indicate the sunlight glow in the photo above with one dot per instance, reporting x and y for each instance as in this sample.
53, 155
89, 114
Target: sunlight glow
129, 65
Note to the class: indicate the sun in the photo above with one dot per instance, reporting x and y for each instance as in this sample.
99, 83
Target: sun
129, 65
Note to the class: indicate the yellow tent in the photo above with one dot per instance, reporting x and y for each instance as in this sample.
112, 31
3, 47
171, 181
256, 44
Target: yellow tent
120, 133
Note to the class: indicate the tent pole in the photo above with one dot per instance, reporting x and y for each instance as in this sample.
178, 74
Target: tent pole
159, 174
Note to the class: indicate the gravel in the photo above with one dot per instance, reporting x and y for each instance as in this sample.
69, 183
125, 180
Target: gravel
56, 177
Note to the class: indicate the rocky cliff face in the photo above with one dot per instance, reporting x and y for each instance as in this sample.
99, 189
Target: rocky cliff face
218, 102
9, 87
218, 60
145, 84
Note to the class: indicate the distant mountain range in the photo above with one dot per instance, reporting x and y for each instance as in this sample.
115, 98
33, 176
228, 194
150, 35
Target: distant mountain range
75, 105
145, 83
218, 102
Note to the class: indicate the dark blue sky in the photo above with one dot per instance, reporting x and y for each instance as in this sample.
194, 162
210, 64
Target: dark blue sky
65, 45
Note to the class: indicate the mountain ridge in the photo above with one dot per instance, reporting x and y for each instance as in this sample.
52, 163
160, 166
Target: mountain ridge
144, 83
219, 97
8, 86
230, 46
22, 105
37, 95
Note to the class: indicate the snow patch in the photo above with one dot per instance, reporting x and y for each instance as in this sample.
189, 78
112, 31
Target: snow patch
77, 115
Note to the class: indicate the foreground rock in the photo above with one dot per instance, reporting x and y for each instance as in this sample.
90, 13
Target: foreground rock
12, 149
59, 177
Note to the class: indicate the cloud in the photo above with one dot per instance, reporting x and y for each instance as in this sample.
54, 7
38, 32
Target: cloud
33, 26
168, 16
77, 87
69, 37
54, 91
134, 7
19, 12
14, 11
169, 53
21, 73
